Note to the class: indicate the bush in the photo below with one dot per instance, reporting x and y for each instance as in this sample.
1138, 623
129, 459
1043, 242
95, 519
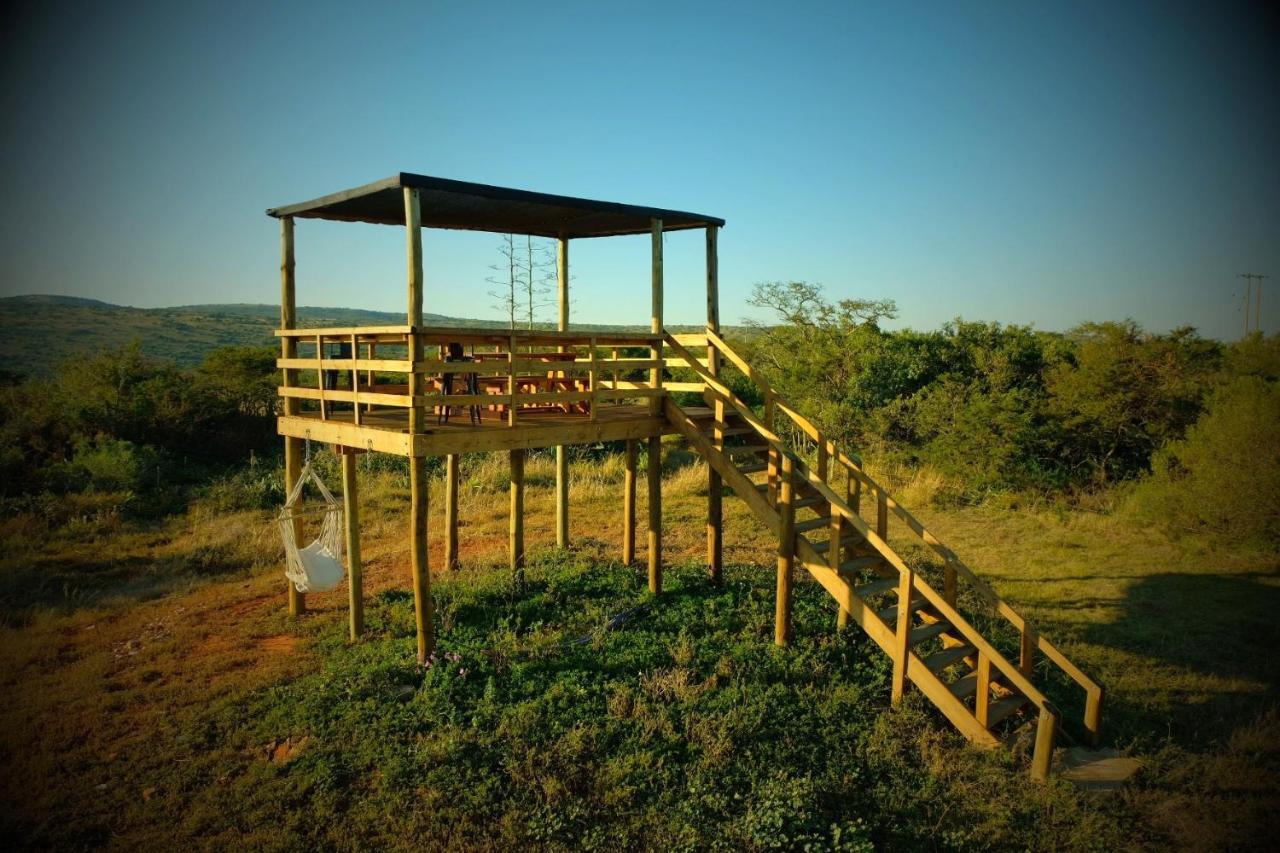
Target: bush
1224, 477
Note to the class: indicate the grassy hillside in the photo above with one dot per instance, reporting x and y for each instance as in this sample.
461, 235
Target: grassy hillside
41, 331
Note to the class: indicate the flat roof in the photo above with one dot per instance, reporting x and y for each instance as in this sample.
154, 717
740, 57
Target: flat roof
480, 207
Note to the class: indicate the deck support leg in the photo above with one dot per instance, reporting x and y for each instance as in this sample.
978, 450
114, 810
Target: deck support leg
451, 512
422, 604
562, 496
629, 505
786, 553
655, 514
289, 349
562, 455
355, 580
292, 472
516, 537
715, 490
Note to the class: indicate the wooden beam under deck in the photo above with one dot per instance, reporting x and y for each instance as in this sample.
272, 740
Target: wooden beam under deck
386, 431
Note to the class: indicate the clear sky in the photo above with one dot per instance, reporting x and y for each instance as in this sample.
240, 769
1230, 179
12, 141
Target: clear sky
1042, 163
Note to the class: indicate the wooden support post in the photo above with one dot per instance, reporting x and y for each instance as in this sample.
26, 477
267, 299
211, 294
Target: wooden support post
786, 552
289, 349
835, 554
516, 538
421, 574
882, 514
562, 455
655, 324
655, 514
715, 490
418, 497
982, 697
771, 473
902, 637
949, 583
629, 505
1026, 650
1046, 734
853, 497
355, 582
1093, 715
451, 562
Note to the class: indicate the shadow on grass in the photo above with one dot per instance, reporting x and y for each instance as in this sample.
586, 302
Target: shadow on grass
1218, 625
69, 584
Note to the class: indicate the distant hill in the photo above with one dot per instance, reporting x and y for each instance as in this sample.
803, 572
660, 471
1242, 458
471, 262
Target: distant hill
39, 331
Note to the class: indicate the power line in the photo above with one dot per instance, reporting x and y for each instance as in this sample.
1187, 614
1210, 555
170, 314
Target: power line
1250, 278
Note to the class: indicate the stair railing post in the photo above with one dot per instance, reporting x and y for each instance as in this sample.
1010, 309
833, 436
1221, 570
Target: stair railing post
902, 636
786, 552
1026, 649
1046, 734
982, 698
1093, 715
772, 472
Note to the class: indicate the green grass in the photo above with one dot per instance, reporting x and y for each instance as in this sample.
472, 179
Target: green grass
205, 716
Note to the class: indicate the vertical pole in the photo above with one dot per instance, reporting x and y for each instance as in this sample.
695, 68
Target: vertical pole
835, 556
882, 514
949, 583
1046, 734
655, 408
1093, 715
655, 514
1026, 650
786, 553
562, 456
982, 697
1248, 292
655, 322
902, 637
715, 492
355, 582
629, 506
451, 512
418, 498
516, 537
289, 349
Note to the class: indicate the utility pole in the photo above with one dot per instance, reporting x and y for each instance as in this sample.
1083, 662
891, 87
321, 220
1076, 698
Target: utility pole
1250, 278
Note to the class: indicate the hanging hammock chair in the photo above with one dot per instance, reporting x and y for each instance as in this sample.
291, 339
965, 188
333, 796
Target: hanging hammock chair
317, 567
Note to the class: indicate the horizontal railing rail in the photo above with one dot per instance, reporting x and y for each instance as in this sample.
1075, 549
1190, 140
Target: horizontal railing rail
515, 370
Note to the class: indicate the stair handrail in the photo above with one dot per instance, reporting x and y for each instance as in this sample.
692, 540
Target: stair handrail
1094, 691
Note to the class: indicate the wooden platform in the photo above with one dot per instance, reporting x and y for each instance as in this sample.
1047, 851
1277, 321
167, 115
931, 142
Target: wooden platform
387, 431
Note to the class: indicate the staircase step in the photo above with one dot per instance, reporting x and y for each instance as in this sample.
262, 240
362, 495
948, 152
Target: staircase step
739, 430
1005, 708
746, 448
875, 587
890, 614
818, 523
698, 412
964, 686
939, 661
919, 635
824, 547
753, 468
857, 565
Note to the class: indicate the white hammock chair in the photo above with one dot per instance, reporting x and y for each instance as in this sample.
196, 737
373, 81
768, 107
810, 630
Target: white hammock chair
317, 567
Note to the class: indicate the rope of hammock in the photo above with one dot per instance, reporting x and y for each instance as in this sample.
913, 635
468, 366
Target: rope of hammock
318, 567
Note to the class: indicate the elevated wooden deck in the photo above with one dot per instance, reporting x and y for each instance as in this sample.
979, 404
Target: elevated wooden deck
387, 431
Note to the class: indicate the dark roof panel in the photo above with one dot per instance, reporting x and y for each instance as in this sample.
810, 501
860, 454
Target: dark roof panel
478, 207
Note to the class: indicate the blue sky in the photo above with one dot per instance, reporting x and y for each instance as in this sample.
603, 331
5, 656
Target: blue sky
1022, 162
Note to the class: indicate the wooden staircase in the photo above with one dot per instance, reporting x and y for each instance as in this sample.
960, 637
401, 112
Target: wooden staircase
933, 646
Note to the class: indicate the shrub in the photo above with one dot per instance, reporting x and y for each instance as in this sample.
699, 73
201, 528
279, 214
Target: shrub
1224, 476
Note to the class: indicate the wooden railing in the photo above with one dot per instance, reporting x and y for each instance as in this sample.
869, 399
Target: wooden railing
858, 484
520, 371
